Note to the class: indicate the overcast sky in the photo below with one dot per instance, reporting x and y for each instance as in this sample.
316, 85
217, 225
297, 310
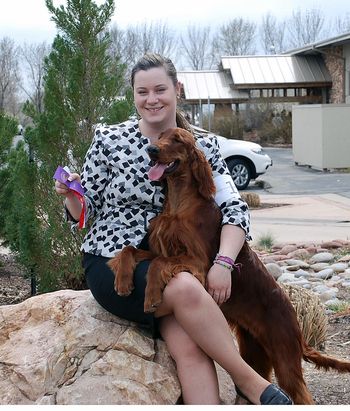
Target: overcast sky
29, 20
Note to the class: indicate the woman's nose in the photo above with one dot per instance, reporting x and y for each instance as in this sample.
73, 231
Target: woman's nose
152, 98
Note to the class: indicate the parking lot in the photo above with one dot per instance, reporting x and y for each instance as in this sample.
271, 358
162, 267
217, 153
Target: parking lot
284, 177
313, 205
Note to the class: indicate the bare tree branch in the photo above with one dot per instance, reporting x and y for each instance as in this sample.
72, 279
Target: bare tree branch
272, 34
9, 74
305, 27
342, 24
197, 47
236, 38
32, 58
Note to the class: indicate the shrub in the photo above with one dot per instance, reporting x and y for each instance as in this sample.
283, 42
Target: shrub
266, 241
81, 85
252, 199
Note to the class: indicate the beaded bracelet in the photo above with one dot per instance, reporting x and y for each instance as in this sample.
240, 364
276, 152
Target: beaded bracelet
223, 264
227, 262
225, 259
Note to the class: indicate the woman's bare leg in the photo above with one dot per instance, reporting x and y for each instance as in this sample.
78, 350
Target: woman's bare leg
201, 318
196, 371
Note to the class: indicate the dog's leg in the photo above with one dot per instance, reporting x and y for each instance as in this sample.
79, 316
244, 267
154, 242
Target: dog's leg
289, 374
253, 354
283, 350
281, 338
160, 272
259, 305
155, 284
123, 266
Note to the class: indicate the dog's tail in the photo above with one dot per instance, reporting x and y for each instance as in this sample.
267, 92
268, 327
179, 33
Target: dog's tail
324, 361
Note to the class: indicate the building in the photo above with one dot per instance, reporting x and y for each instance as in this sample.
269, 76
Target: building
318, 73
314, 79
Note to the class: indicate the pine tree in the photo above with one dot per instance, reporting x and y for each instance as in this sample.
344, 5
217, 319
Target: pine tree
8, 129
82, 83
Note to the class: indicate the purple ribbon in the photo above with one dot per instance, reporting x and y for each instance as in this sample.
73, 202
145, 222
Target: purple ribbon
61, 175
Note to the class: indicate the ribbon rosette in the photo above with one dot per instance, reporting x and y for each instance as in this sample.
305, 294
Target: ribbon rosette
62, 175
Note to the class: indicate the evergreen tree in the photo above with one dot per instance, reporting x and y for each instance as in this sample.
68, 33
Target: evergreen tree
8, 129
82, 83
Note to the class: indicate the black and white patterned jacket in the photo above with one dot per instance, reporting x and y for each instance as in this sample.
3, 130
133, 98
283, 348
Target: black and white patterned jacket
121, 200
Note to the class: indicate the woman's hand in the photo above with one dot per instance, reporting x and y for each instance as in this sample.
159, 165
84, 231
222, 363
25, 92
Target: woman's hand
62, 189
219, 283
71, 202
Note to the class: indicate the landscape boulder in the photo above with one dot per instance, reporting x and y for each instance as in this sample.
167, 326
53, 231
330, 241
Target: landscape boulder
63, 348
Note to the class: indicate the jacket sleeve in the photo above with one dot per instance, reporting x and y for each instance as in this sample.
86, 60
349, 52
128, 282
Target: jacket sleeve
234, 209
94, 177
95, 173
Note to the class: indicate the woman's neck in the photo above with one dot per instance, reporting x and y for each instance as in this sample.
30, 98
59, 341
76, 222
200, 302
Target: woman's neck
153, 132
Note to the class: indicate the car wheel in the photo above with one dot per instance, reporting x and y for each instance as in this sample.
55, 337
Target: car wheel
240, 172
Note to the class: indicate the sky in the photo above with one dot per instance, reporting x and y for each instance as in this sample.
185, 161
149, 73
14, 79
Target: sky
29, 20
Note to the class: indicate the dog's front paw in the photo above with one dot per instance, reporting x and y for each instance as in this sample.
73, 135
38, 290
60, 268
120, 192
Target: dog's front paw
152, 300
122, 286
151, 307
123, 282
123, 291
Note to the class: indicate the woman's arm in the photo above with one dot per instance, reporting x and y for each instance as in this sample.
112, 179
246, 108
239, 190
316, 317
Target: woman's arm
93, 179
235, 220
231, 240
219, 277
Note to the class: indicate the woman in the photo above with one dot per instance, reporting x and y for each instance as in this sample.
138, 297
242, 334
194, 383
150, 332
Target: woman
122, 200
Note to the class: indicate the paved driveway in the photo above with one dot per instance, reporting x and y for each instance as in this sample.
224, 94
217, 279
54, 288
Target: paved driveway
284, 177
316, 203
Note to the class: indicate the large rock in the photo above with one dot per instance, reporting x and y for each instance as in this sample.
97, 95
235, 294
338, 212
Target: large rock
63, 348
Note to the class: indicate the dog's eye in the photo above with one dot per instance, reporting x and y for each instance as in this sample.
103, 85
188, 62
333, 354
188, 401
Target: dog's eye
177, 139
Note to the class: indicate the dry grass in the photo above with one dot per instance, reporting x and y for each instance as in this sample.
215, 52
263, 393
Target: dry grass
252, 199
311, 314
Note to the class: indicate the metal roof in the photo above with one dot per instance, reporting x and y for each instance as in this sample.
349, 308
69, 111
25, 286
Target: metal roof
215, 84
276, 71
312, 47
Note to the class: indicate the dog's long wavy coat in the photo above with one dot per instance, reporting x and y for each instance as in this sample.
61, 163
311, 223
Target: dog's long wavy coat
185, 237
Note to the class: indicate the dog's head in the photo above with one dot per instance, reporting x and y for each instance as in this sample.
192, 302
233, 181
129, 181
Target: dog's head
175, 154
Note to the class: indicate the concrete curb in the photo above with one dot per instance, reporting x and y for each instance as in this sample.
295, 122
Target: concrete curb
301, 218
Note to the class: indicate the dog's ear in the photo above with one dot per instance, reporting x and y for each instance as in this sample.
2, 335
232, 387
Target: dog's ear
202, 173
200, 167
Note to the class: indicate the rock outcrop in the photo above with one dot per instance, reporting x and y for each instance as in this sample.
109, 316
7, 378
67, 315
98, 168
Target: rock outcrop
63, 348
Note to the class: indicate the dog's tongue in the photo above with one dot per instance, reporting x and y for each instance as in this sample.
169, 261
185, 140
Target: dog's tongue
156, 172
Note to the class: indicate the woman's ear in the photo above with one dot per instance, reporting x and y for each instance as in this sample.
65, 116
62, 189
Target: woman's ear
178, 89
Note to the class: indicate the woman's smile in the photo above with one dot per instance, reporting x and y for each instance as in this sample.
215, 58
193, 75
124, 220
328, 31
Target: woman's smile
155, 99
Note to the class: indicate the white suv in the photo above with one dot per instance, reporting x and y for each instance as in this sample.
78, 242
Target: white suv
245, 160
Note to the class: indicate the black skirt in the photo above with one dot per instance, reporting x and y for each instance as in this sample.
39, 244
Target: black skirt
100, 280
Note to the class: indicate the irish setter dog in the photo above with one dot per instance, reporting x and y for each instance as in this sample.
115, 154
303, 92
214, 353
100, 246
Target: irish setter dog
185, 237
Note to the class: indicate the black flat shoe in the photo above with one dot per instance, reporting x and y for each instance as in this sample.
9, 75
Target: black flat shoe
273, 395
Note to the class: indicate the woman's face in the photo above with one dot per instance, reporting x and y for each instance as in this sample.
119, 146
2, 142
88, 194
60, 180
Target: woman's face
155, 98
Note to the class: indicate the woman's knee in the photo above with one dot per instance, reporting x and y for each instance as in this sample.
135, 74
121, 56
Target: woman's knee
188, 354
180, 345
184, 288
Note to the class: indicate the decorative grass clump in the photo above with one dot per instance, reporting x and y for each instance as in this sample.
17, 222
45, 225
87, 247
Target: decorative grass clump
252, 199
311, 314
